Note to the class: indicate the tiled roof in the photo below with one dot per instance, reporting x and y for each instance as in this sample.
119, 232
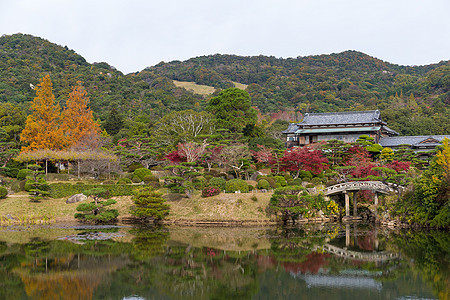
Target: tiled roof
348, 117
292, 128
410, 140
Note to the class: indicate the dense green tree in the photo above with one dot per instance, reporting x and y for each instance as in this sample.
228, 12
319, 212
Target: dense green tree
149, 205
114, 122
232, 109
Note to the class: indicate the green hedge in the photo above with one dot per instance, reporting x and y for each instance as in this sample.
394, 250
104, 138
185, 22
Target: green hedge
234, 185
62, 190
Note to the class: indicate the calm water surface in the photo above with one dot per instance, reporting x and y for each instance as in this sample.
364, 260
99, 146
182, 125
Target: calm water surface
321, 262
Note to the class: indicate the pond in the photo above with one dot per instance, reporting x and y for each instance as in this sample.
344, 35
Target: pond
333, 261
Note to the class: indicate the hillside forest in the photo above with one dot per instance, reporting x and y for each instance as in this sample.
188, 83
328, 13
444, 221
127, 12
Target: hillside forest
61, 112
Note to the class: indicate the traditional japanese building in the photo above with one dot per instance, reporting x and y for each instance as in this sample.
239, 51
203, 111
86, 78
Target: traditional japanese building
344, 126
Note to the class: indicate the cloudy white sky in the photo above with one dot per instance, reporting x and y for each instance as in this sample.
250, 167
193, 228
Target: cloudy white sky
134, 34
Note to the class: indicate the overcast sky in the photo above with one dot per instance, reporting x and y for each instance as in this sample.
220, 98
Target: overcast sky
134, 34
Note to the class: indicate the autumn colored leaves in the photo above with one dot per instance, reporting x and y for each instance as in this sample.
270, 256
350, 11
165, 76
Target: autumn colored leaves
48, 128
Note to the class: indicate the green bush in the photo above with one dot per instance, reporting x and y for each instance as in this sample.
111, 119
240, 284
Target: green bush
136, 179
250, 187
297, 181
235, 185
124, 180
23, 174
218, 182
199, 182
134, 166
108, 182
263, 184
62, 190
3, 192
281, 180
141, 173
150, 178
254, 198
305, 175
316, 181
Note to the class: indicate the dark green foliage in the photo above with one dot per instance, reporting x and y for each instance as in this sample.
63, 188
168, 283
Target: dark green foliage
286, 203
114, 122
263, 184
268, 142
142, 173
134, 166
218, 182
136, 179
96, 211
3, 192
235, 185
149, 205
62, 190
429, 203
199, 182
232, 109
36, 185
124, 180
23, 174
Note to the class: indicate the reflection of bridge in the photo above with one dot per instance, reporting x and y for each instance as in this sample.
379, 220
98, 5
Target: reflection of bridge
355, 186
365, 256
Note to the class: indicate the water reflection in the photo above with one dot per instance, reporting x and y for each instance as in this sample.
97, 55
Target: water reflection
322, 262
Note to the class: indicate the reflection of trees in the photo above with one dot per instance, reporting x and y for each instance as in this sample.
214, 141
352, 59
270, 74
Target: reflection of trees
428, 255
63, 270
149, 242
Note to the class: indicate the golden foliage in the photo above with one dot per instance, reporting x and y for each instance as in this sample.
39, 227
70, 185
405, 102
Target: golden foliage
77, 119
42, 129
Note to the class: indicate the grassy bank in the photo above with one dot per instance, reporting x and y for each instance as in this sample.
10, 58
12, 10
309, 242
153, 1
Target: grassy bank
223, 207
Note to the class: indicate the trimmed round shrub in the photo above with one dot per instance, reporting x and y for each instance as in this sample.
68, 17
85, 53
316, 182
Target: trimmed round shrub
218, 182
108, 182
124, 181
150, 178
3, 192
250, 187
141, 173
316, 181
272, 182
263, 184
235, 185
281, 180
199, 182
210, 191
297, 181
288, 177
134, 166
136, 179
23, 174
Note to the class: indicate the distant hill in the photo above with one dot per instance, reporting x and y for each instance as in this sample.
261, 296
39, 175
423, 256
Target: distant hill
25, 59
349, 80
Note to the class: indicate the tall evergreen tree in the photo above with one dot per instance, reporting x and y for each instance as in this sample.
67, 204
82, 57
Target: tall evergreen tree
114, 122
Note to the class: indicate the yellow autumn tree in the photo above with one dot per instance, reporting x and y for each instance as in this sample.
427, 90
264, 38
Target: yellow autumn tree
42, 128
443, 158
78, 122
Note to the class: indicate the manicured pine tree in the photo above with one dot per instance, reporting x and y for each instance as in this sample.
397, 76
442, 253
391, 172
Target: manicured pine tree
149, 205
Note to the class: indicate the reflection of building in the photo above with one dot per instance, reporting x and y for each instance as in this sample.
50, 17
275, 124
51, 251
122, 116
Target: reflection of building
344, 126
331, 281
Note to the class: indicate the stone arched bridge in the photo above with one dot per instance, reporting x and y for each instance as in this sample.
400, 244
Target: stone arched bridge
354, 187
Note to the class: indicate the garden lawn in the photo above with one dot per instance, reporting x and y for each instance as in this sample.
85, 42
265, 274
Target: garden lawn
223, 207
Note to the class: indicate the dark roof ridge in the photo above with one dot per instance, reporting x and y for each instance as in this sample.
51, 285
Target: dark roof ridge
344, 112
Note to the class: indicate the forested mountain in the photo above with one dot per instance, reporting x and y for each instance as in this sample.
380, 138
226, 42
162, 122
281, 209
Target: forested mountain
413, 100
25, 59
